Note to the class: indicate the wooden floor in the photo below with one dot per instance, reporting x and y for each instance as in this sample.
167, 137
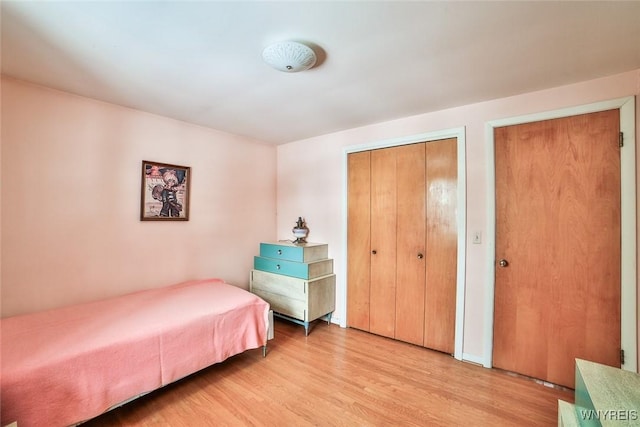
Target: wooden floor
342, 377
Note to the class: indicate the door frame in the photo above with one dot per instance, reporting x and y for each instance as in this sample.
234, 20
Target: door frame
628, 320
459, 134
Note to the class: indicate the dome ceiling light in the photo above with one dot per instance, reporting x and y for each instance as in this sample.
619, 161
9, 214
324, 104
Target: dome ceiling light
289, 56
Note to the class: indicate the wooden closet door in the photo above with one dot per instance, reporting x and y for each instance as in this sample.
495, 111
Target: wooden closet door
358, 239
402, 243
441, 245
411, 227
382, 308
557, 294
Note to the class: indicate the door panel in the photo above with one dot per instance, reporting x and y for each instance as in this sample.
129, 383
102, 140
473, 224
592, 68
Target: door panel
383, 242
411, 229
358, 239
558, 227
441, 245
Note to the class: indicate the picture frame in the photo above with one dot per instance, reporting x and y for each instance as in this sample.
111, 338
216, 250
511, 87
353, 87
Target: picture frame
165, 193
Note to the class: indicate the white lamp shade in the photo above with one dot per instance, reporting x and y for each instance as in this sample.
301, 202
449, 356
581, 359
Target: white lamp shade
289, 57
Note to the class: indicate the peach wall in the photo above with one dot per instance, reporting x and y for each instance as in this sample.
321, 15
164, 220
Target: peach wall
71, 171
311, 178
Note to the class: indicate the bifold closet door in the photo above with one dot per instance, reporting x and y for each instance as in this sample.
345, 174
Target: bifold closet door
402, 242
382, 309
441, 244
358, 239
410, 232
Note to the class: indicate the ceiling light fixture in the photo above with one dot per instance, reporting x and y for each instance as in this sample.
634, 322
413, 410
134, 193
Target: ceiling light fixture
289, 56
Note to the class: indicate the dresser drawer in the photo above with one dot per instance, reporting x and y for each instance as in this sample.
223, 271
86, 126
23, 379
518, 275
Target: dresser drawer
302, 252
284, 305
302, 299
289, 287
300, 270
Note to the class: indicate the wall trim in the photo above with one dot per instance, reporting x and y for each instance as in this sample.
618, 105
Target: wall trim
458, 133
472, 358
628, 307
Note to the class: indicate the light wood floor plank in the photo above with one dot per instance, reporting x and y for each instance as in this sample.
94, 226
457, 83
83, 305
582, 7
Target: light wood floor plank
342, 377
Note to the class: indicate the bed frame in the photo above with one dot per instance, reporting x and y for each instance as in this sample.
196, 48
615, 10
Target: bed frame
68, 365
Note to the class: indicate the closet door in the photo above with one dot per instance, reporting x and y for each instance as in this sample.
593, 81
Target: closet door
358, 239
441, 245
402, 243
410, 238
382, 309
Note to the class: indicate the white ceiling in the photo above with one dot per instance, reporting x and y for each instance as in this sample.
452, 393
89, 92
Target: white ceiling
201, 62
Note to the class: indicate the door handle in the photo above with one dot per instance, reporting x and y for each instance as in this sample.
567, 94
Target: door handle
503, 263
374, 252
420, 256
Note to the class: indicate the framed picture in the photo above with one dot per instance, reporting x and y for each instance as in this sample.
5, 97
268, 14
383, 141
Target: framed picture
165, 192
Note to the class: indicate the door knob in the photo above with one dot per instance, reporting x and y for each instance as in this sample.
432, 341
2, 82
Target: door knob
420, 256
503, 263
374, 252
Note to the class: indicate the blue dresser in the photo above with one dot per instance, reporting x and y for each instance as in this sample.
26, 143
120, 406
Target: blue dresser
297, 280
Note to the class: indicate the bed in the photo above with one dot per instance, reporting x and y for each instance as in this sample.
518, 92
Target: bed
68, 365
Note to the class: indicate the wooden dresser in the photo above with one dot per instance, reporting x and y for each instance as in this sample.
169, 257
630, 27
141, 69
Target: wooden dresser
296, 279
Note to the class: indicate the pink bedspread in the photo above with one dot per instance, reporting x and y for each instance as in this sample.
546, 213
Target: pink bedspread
64, 366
